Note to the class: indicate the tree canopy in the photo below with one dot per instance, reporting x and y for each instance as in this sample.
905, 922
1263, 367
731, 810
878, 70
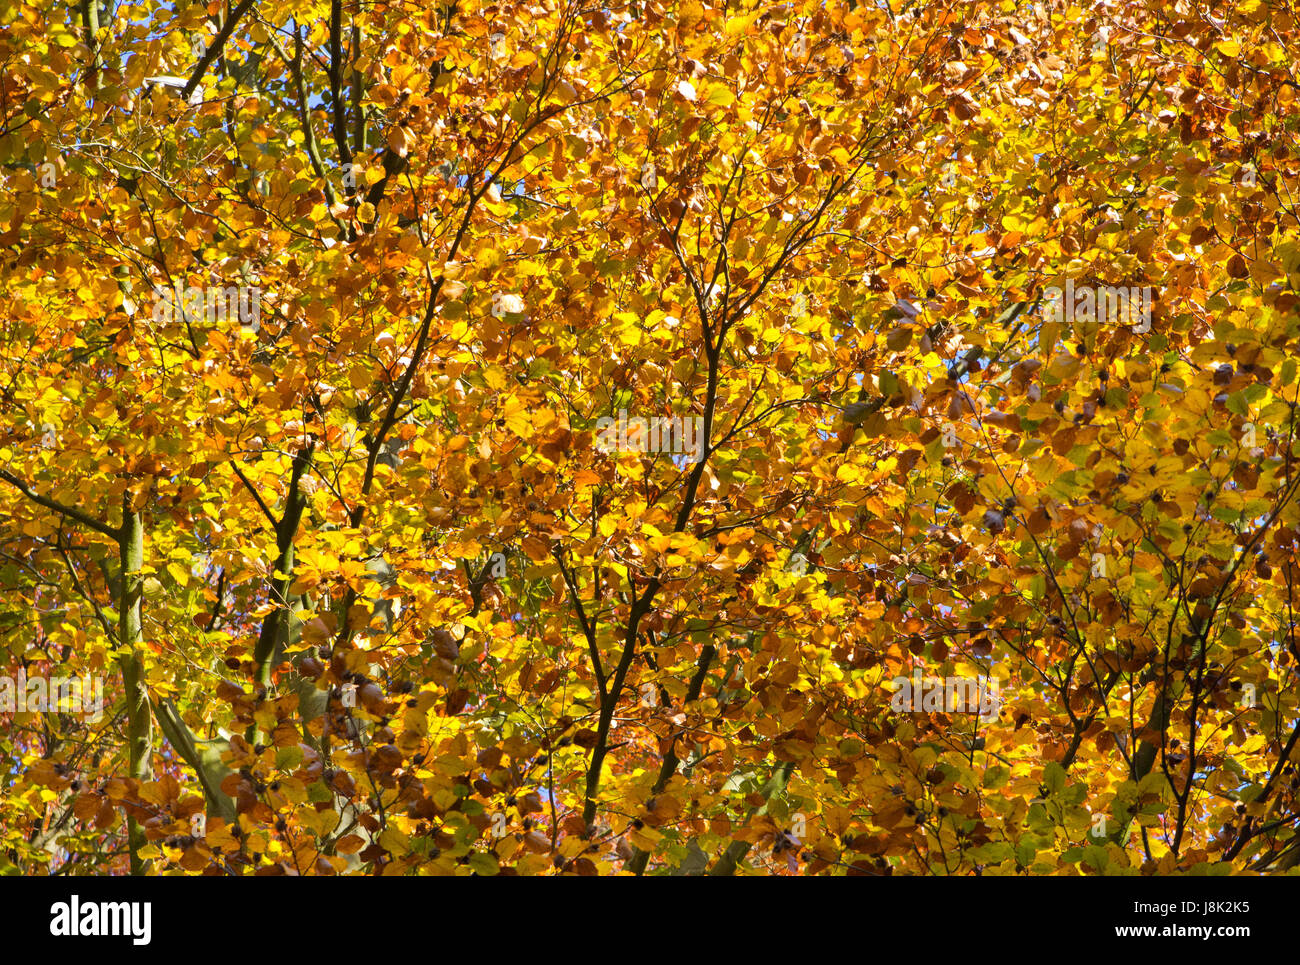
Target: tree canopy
649, 438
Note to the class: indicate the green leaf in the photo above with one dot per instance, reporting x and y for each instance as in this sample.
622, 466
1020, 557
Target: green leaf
1053, 777
996, 777
1095, 856
483, 863
1025, 853
318, 793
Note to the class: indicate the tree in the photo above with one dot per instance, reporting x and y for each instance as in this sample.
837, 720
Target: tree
661, 438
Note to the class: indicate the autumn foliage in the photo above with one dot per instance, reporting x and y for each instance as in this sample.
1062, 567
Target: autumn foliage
313, 311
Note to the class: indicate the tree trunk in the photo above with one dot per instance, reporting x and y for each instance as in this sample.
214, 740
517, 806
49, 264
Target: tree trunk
139, 719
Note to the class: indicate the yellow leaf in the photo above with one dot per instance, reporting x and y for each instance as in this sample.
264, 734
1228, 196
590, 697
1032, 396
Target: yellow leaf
179, 574
719, 95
